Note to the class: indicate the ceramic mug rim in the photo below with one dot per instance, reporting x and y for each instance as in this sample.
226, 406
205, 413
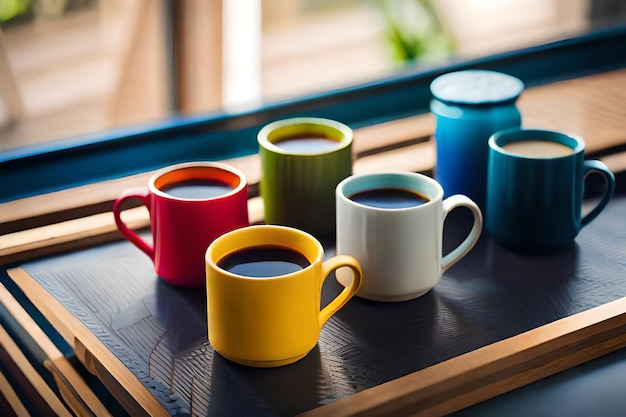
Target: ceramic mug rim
410, 177
347, 135
517, 134
263, 229
154, 189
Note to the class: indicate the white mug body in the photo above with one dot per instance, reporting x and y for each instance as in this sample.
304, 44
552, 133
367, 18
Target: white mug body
399, 249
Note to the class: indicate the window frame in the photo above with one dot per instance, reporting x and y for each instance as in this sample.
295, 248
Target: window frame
107, 155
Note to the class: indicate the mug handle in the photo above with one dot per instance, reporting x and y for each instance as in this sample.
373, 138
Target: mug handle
464, 247
348, 292
142, 194
597, 167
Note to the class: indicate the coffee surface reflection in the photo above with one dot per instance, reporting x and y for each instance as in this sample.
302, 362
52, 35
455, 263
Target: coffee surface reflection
538, 148
307, 144
197, 189
263, 262
389, 198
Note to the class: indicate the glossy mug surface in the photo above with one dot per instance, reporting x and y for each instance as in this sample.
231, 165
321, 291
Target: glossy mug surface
190, 205
303, 160
264, 286
396, 232
469, 107
536, 188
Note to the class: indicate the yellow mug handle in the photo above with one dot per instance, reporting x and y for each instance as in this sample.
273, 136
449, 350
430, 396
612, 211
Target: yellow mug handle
348, 292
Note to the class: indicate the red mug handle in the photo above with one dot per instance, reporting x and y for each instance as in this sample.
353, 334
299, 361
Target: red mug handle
142, 194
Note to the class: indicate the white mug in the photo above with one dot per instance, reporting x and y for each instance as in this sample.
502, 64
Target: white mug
392, 223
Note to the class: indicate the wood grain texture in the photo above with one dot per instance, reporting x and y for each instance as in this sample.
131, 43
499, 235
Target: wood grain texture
124, 385
589, 106
157, 365
592, 107
69, 394
492, 370
12, 400
28, 324
75, 391
31, 374
89, 199
151, 337
82, 233
65, 236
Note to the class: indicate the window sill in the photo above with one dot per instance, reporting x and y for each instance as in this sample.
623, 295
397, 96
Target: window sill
80, 216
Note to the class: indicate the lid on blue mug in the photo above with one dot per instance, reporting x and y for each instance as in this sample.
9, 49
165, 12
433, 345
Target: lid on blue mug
476, 87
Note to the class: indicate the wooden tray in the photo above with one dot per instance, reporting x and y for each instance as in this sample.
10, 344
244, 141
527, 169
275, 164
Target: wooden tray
147, 340
515, 319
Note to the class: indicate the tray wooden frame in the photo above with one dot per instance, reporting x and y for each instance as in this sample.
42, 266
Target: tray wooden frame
79, 218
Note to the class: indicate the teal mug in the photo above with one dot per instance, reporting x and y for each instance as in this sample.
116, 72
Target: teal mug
535, 189
302, 160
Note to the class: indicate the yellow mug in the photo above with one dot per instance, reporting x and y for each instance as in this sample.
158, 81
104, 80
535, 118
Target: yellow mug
273, 318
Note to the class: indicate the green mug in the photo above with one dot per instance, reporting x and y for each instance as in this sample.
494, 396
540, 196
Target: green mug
303, 159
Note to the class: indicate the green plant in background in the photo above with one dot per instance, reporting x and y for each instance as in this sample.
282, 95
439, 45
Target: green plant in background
17, 11
12, 9
414, 31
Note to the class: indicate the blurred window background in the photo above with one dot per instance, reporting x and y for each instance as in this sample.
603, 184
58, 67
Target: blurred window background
72, 67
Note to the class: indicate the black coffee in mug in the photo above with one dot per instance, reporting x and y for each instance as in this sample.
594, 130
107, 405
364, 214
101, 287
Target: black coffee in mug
263, 262
197, 189
389, 198
306, 144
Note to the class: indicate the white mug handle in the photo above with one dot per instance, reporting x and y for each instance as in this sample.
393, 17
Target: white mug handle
464, 247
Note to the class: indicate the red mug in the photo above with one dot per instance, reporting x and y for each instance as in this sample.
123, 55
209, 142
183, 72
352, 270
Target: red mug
190, 205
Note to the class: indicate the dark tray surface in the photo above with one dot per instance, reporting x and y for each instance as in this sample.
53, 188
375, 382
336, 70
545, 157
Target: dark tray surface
160, 332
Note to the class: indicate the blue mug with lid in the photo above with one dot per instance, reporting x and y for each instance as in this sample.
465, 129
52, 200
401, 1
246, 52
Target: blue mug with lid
469, 107
536, 181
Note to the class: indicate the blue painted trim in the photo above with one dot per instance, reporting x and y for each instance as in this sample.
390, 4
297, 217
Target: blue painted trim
113, 154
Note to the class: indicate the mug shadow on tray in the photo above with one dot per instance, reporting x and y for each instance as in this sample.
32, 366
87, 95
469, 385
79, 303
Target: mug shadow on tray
183, 315
507, 293
287, 390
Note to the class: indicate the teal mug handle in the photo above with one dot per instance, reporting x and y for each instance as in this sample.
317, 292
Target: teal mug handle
598, 168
